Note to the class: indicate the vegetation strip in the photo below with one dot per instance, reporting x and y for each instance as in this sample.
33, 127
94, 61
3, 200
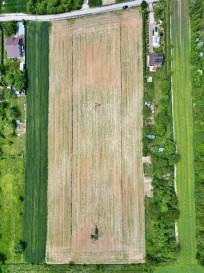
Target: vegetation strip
35, 215
196, 9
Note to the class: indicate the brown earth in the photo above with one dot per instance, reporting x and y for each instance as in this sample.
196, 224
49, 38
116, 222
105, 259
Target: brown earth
95, 174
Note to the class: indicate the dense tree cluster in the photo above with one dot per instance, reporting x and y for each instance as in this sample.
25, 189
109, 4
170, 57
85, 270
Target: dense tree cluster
197, 80
52, 6
9, 28
11, 75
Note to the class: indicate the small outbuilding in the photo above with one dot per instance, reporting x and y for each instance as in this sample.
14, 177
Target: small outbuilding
161, 149
21, 66
151, 136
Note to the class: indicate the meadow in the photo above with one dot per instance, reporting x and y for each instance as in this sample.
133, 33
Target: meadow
35, 210
10, 6
95, 173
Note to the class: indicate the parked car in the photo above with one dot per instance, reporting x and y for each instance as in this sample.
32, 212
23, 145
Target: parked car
125, 7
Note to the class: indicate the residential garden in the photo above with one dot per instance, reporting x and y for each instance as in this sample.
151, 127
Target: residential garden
12, 154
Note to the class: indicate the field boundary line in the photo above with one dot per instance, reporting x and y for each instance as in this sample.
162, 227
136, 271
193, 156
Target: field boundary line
121, 125
72, 125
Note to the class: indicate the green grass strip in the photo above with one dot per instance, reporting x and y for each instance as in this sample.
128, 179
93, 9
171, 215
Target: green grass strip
183, 131
37, 65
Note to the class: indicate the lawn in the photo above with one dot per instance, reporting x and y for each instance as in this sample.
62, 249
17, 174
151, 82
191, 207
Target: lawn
11, 184
183, 131
12, 166
35, 224
11, 6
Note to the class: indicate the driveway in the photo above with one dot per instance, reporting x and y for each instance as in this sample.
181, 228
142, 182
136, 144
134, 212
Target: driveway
151, 27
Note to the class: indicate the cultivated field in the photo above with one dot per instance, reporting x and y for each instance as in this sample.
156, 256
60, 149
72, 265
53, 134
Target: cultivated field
95, 171
35, 214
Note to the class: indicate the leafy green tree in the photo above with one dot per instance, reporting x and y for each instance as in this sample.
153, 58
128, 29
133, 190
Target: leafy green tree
10, 28
144, 5
11, 123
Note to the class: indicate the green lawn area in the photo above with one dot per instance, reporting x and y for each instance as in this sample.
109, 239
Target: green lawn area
9, 6
35, 215
11, 183
183, 132
12, 167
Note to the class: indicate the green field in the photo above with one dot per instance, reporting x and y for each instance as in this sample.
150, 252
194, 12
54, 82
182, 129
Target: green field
7, 6
35, 218
183, 131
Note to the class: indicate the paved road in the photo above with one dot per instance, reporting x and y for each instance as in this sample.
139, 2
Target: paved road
73, 14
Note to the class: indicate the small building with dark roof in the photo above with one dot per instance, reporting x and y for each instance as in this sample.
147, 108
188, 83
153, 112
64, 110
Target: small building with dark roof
155, 59
13, 47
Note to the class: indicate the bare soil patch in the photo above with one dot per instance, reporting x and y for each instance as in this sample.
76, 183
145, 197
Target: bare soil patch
108, 2
95, 176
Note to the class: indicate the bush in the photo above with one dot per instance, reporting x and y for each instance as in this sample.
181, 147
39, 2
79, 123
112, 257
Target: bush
18, 247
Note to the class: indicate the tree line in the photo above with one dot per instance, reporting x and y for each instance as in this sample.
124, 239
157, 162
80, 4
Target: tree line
53, 6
